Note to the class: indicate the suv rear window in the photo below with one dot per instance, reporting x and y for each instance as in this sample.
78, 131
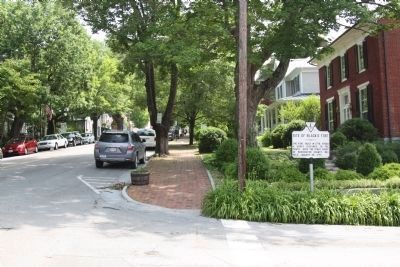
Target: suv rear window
114, 138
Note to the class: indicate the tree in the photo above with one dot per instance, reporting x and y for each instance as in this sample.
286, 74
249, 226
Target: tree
307, 109
205, 95
281, 30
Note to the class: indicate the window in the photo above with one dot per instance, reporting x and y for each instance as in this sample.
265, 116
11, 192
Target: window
329, 76
330, 115
361, 57
363, 102
343, 67
293, 86
279, 92
345, 105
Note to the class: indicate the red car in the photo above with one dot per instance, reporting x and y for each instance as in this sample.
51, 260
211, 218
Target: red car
21, 145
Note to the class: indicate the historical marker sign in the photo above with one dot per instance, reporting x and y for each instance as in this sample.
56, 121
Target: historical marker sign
310, 143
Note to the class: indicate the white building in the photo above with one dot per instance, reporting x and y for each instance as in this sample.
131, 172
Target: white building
300, 81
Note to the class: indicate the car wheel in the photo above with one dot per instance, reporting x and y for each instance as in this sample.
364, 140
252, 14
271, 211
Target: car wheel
73, 143
99, 164
134, 163
56, 146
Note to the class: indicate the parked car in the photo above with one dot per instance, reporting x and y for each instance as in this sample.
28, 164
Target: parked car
87, 138
119, 146
1, 153
74, 138
21, 145
171, 135
52, 141
148, 136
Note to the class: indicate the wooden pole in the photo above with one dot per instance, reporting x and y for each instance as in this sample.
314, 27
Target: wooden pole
242, 93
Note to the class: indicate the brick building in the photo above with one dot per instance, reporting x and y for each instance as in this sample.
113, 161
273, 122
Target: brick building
361, 79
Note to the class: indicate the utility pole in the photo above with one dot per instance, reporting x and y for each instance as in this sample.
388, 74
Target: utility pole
242, 93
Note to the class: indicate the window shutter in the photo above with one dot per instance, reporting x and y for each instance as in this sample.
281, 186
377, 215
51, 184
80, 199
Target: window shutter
365, 53
357, 104
335, 114
331, 74
326, 117
346, 64
370, 104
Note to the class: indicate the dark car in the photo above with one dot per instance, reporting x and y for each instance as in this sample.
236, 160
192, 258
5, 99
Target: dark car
73, 138
21, 145
171, 135
119, 146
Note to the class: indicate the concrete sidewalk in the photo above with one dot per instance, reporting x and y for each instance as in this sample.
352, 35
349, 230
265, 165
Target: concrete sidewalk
177, 181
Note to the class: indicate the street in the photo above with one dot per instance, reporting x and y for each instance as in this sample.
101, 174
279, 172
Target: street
56, 210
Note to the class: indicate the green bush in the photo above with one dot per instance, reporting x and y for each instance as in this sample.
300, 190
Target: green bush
323, 174
230, 170
359, 130
257, 164
347, 156
226, 152
388, 151
296, 125
389, 156
304, 164
259, 202
347, 175
210, 139
386, 171
285, 171
266, 139
277, 136
368, 159
337, 139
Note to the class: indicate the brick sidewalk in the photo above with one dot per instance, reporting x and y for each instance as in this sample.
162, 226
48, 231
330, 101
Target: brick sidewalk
177, 181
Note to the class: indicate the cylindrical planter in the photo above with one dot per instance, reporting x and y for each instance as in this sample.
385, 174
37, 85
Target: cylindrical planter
140, 178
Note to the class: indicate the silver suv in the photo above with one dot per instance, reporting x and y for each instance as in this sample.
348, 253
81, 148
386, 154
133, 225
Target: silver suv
119, 146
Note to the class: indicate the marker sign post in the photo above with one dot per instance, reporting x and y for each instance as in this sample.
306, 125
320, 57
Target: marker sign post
310, 143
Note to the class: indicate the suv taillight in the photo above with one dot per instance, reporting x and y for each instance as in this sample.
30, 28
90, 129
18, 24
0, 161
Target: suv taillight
96, 146
131, 148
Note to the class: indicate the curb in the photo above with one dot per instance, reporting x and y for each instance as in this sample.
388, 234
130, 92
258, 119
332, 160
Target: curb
210, 178
155, 207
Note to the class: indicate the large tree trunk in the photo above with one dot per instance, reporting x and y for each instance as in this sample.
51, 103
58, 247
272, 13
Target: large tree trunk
51, 125
163, 127
94, 117
119, 121
192, 123
16, 126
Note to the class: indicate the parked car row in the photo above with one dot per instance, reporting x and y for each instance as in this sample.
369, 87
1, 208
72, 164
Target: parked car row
25, 144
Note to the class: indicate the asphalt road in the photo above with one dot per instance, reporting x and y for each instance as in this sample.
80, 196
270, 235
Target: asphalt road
55, 210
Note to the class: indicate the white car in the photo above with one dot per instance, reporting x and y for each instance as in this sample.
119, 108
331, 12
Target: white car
52, 141
148, 136
87, 138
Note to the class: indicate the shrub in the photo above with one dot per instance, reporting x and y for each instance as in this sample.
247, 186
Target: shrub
285, 171
386, 171
257, 164
347, 156
347, 175
337, 139
262, 203
359, 130
296, 125
210, 139
230, 170
323, 174
368, 159
304, 164
266, 139
277, 136
226, 152
389, 156
388, 151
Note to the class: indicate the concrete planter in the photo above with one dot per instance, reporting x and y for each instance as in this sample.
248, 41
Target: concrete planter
140, 178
